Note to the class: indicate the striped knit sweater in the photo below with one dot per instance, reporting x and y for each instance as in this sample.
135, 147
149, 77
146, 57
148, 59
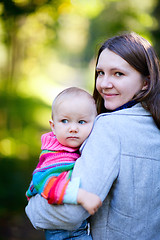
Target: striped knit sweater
53, 172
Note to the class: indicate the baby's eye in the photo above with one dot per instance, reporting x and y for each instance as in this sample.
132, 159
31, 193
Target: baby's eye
82, 121
119, 74
64, 121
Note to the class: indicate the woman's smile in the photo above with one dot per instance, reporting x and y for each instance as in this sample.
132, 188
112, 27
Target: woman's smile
109, 95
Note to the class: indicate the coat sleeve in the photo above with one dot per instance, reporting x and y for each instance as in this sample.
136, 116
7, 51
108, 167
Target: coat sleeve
98, 167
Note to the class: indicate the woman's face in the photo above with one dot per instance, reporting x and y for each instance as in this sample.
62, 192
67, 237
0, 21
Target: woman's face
117, 81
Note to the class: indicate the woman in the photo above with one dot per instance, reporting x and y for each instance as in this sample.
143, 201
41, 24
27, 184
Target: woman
120, 160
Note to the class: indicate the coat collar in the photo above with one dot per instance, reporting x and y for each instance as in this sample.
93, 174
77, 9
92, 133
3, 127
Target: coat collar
137, 109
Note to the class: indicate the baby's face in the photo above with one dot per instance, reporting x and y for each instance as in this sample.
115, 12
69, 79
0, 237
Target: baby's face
73, 120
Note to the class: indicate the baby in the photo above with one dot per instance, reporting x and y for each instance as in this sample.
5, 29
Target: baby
73, 114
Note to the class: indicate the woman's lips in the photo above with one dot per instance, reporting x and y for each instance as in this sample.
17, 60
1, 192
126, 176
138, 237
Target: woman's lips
109, 95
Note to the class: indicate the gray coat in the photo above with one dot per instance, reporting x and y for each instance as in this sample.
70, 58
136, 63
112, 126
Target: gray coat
121, 163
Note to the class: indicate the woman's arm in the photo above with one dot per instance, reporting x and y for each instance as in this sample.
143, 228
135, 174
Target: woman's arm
97, 168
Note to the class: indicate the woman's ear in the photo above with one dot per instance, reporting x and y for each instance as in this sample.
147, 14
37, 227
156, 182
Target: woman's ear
145, 83
52, 125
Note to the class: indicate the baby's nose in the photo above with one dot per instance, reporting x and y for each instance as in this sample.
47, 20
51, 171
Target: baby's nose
73, 128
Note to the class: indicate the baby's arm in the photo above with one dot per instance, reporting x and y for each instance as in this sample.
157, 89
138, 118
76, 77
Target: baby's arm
90, 201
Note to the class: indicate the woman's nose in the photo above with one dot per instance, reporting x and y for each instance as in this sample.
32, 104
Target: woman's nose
106, 82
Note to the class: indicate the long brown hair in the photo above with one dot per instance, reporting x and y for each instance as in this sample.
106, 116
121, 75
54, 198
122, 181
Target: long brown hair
139, 53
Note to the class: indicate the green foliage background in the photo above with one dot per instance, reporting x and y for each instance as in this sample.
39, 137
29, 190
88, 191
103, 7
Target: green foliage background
46, 46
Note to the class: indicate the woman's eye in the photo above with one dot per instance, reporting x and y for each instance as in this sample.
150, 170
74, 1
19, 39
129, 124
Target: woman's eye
118, 74
100, 73
82, 121
64, 121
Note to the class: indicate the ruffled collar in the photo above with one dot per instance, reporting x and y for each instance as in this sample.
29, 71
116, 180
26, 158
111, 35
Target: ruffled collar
50, 142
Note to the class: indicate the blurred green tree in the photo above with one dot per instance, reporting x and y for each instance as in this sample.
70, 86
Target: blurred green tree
156, 29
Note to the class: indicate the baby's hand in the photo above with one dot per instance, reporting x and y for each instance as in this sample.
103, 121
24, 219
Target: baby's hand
90, 201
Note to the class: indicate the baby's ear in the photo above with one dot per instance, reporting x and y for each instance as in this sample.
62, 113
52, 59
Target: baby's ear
52, 125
